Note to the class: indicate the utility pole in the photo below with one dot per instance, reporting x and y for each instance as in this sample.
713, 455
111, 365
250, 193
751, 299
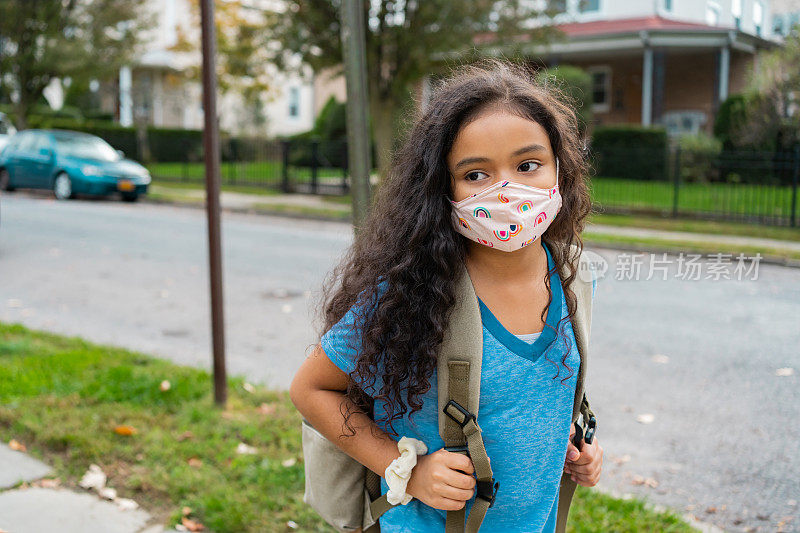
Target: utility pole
211, 151
358, 149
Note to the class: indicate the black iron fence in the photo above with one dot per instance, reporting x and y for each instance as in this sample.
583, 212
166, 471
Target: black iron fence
743, 186
312, 166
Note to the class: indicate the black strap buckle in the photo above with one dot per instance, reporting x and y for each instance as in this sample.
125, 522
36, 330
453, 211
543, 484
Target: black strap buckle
592, 423
467, 415
487, 490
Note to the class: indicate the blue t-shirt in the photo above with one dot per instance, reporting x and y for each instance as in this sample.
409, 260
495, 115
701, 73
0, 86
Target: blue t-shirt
524, 415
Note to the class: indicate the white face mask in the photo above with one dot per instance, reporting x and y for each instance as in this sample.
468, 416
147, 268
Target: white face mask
507, 215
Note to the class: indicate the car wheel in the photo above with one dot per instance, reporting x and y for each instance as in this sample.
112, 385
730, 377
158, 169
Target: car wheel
130, 196
5, 179
62, 186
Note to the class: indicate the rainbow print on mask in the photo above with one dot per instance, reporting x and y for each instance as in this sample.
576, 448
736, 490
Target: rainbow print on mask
463, 223
526, 243
514, 229
541, 217
502, 235
481, 212
524, 206
502, 198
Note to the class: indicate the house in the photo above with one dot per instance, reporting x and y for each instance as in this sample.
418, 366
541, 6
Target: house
162, 84
658, 62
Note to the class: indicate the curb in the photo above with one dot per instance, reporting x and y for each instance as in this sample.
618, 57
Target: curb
766, 259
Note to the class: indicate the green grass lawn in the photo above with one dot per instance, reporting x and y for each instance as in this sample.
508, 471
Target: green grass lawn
255, 173
736, 200
62, 397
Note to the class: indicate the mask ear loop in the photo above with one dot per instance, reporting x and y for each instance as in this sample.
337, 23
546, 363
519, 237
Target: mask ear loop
556, 171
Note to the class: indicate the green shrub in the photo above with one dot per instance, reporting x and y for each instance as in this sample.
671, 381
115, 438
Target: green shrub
577, 85
699, 155
631, 152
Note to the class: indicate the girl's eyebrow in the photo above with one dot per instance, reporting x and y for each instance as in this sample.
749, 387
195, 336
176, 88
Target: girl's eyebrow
524, 149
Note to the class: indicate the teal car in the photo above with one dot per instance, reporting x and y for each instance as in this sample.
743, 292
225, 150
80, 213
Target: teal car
69, 163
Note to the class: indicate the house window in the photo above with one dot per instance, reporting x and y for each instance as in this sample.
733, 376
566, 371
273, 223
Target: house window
777, 25
557, 6
588, 6
736, 11
712, 13
294, 102
667, 5
758, 17
601, 88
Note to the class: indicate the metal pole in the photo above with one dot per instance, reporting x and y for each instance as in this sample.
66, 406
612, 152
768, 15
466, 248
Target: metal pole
795, 176
676, 182
358, 149
211, 151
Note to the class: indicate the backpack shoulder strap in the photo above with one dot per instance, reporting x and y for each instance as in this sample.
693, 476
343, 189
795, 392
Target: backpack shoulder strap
458, 385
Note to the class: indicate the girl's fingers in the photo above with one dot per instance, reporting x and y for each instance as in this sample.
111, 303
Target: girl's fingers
455, 493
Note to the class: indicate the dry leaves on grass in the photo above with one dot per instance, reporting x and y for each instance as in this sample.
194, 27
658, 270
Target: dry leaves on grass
165, 385
195, 462
192, 525
245, 449
267, 409
126, 431
17, 446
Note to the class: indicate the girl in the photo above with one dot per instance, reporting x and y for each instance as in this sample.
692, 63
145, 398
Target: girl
492, 147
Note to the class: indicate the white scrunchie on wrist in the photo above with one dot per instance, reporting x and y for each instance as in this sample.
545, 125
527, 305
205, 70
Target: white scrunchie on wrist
399, 471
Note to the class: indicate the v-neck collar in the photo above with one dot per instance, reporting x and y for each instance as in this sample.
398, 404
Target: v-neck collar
515, 344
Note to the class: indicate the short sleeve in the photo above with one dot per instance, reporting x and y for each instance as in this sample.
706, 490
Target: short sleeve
342, 344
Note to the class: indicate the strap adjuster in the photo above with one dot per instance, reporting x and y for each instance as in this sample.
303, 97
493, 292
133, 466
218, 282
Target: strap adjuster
467, 415
487, 490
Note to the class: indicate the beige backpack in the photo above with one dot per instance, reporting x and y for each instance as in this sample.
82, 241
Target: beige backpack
346, 494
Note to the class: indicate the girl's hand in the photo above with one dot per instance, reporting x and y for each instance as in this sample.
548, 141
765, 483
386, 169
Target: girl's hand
585, 467
437, 482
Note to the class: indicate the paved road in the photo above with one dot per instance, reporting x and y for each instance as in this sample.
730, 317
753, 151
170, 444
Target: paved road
701, 356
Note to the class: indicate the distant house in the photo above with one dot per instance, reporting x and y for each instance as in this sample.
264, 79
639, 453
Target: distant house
155, 86
662, 62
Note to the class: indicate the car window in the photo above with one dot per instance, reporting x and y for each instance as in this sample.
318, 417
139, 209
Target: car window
26, 142
40, 141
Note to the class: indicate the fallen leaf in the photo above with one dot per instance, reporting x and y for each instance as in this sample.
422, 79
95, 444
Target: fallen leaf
292, 524
125, 504
16, 445
50, 483
125, 430
622, 459
194, 462
649, 482
249, 387
783, 372
186, 435
181, 527
244, 449
646, 418
186, 511
94, 478
192, 525
711, 510
289, 462
165, 385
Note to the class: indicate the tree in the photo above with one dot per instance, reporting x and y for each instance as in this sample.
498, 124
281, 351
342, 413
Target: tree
243, 65
406, 40
773, 96
577, 85
41, 40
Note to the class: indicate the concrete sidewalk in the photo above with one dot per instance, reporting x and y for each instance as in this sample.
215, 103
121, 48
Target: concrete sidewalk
31, 501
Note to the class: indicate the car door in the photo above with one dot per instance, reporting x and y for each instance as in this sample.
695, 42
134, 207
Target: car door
40, 164
18, 158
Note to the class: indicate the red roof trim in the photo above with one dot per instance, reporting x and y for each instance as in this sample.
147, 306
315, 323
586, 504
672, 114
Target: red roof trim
632, 25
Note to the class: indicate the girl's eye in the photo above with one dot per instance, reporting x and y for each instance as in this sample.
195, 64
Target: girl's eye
529, 163
474, 173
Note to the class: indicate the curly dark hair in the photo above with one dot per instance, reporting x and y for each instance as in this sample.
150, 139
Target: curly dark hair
399, 274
